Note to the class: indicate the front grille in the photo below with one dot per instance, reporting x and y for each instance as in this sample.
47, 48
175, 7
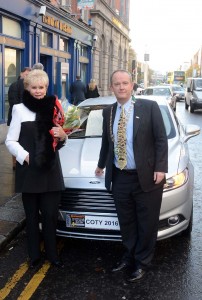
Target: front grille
94, 202
100, 201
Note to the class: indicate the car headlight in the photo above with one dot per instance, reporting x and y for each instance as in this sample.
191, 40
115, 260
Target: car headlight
176, 181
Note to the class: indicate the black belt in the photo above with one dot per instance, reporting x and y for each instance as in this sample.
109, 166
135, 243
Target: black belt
127, 171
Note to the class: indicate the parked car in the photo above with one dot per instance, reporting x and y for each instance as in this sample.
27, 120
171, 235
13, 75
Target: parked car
87, 209
178, 92
139, 90
193, 94
162, 90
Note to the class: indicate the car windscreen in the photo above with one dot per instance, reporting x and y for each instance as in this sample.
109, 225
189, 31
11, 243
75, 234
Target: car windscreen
178, 89
91, 123
157, 91
198, 84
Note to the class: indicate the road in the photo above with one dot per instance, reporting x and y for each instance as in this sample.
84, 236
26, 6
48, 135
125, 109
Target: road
175, 272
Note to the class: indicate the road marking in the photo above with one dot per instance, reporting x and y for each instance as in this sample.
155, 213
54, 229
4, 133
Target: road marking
34, 282
4, 292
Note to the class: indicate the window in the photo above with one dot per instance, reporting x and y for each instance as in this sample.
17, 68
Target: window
63, 44
11, 27
84, 51
46, 39
12, 71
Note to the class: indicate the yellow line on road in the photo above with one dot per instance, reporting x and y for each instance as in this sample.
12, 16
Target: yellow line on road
34, 282
4, 292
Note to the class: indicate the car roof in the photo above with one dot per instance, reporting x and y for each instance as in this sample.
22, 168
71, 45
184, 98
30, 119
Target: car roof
105, 100
161, 100
158, 87
108, 100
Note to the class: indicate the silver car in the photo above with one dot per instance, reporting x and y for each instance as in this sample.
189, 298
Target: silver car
162, 91
87, 209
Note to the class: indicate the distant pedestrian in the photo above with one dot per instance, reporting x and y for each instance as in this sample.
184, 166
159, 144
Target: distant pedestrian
78, 91
135, 87
15, 94
92, 90
38, 66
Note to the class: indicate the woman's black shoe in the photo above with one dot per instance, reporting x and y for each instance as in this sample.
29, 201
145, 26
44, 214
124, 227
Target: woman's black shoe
34, 263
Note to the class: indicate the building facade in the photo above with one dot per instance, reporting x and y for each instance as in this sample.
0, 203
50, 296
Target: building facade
110, 20
42, 31
89, 38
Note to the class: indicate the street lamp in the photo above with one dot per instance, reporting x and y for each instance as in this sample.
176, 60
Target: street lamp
146, 59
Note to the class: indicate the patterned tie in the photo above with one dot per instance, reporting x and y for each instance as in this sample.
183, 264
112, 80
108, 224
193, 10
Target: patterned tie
121, 140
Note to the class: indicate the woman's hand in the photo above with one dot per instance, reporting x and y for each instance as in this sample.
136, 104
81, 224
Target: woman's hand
59, 133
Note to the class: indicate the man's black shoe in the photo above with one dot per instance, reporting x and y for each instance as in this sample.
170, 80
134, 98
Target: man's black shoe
122, 266
58, 264
136, 275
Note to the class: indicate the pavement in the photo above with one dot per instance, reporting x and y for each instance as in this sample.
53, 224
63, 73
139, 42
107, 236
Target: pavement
12, 217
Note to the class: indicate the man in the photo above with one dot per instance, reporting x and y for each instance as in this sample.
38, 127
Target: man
135, 87
15, 94
78, 91
38, 66
138, 179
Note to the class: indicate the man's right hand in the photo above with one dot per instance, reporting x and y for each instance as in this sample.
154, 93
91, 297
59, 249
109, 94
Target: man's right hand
99, 172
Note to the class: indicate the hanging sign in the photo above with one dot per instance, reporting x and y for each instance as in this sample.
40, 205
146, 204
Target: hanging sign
85, 4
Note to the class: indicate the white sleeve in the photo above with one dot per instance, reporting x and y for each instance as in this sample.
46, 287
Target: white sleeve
13, 136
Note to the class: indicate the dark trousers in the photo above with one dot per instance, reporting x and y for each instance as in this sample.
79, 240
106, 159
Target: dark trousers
47, 204
138, 214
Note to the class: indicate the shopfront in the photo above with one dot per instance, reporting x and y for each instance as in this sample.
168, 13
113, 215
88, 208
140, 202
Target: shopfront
62, 44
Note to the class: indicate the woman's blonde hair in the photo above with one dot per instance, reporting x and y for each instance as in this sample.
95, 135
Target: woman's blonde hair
92, 85
36, 76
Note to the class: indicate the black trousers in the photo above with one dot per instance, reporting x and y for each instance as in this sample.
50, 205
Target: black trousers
138, 214
47, 204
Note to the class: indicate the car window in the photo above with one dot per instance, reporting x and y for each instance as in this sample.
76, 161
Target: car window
169, 126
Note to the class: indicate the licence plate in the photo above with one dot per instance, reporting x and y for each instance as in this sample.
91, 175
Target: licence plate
92, 222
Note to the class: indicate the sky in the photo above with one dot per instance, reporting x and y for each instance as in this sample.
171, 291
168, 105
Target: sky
170, 31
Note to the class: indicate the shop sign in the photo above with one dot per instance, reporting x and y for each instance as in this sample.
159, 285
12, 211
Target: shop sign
85, 4
57, 24
116, 22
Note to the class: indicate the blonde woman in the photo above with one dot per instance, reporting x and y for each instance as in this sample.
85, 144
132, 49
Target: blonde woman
34, 138
92, 90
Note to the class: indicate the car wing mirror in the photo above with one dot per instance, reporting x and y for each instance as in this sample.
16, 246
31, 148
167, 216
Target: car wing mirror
188, 90
191, 131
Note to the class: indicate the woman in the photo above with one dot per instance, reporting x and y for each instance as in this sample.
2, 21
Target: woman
33, 138
92, 90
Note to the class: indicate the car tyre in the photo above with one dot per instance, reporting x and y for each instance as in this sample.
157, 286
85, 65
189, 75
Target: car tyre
186, 105
191, 107
188, 230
